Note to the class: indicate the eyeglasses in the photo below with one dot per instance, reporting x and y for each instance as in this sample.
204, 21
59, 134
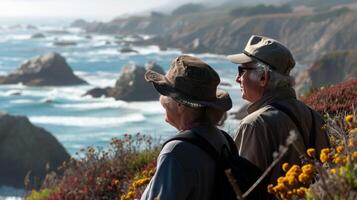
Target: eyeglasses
242, 70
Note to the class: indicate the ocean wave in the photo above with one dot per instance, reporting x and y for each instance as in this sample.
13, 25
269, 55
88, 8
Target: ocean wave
52, 93
17, 37
211, 55
11, 92
94, 105
88, 137
22, 101
4, 58
109, 51
147, 107
98, 78
86, 121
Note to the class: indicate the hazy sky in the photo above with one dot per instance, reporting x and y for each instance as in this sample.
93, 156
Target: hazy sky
87, 9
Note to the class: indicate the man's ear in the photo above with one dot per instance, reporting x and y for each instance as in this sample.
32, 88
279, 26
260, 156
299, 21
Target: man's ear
264, 79
180, 107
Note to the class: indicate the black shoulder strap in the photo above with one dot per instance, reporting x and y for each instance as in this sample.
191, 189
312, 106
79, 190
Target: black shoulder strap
197, 140
296, 122
231, 143
312, 141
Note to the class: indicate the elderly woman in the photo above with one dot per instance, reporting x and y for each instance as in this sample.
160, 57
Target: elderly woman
192, 102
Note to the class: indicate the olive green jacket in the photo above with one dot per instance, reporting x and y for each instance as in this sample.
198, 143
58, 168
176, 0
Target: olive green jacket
265, 128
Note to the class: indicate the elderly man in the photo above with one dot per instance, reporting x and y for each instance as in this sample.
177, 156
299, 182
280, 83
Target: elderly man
263, 74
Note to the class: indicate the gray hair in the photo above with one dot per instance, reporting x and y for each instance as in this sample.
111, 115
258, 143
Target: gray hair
276, 80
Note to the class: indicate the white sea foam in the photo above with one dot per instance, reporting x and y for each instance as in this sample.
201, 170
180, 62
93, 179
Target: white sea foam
87, 121
88, 137
22, 101
11, 92
94, 105
109, 51
53, 93
98, 78
147, 107
17, 37
4, 58
211, 55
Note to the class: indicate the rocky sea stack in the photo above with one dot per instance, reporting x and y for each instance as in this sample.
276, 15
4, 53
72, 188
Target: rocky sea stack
47, 70
131, 85
25, 148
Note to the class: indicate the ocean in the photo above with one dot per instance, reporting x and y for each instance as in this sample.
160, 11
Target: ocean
79, 121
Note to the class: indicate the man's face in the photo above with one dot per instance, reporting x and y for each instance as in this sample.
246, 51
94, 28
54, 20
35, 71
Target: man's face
249, 81
171, 108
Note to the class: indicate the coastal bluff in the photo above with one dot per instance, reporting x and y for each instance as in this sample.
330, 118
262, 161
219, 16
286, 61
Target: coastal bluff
131, 85
25, 148
46, 70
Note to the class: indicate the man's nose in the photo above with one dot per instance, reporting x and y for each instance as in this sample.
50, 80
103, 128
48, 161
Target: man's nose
238, 79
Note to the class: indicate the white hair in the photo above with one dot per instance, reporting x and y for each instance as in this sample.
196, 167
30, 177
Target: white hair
276, 80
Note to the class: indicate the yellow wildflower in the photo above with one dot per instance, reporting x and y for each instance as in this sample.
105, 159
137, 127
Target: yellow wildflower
351, 142
294, 169
326, 150
333, 171
354, 155
311, 152
291, 180
140, 182
130, 194
324, 157
280, 179
349, 118
301, 191
280, 187
303, 178
340, 160
271, 189
285, 167
308, 169
339, 149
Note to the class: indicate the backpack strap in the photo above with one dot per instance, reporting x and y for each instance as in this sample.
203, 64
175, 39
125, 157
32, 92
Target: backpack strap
291, 115
197, 140
231, 143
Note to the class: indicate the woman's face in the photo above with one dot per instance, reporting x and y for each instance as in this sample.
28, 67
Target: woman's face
171, 108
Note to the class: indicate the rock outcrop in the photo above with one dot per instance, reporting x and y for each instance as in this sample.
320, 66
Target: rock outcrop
127, 50
308, 35
332, 68
131, 85
46, 70
38, 35
25, 148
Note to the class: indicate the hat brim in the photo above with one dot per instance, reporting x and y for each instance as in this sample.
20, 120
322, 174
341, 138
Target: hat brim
162, 85
240, 58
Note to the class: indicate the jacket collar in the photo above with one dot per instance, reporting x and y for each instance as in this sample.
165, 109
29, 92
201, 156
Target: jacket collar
272, 96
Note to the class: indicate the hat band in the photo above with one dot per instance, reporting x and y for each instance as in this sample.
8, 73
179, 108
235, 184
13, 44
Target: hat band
260, 60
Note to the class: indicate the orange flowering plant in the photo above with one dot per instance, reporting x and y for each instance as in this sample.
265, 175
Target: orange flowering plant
331, 174
120, 172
